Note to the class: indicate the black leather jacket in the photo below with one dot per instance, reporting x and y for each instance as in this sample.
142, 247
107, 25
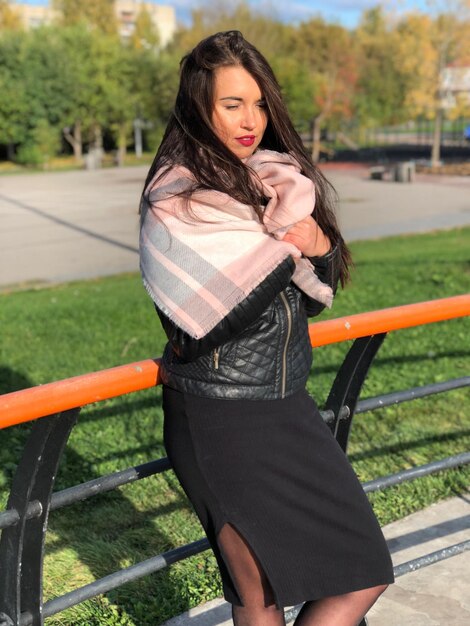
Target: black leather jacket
260, 350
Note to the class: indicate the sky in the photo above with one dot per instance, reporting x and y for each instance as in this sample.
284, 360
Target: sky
345, 12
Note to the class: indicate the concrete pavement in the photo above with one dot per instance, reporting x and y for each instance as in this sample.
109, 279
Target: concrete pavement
436, 595
63, 226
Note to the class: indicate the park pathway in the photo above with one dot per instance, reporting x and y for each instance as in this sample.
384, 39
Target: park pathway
63, 226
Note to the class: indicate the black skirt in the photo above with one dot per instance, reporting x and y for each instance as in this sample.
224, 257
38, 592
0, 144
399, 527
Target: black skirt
273, 470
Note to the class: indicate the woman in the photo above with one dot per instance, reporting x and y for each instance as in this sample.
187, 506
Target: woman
239, 244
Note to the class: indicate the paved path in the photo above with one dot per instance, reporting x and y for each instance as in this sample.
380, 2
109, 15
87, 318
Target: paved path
68, 225
437, 595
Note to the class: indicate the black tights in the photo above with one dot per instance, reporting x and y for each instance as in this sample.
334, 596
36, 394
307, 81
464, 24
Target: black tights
259, 608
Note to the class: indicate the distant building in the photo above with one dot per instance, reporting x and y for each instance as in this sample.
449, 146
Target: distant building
163, 17
455, 83
34, 16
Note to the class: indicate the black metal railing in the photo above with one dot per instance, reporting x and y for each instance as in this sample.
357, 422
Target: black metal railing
24, 522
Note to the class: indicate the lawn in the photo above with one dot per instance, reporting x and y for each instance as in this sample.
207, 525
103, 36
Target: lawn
80, 327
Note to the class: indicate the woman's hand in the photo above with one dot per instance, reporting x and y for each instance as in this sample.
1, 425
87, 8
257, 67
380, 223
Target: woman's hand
308, 237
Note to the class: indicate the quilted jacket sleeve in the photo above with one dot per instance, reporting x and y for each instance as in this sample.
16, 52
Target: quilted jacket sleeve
237, 320
326, 267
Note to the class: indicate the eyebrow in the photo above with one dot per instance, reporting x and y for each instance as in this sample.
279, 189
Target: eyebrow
238, 99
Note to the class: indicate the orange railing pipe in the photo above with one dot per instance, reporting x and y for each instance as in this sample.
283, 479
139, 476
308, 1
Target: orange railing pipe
23, 406
385, 320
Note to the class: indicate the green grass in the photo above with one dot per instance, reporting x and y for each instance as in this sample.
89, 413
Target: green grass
68, 162
71, 329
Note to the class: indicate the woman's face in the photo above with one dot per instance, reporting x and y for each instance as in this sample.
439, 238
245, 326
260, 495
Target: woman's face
239, 117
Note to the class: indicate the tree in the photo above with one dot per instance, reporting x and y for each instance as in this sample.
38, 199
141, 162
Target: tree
78, 116
106, 77
121, 97
381, 86
265, 31
9, 18
41, 145
428, 44
328, 51
14, 104
155, 81
46, 75
145, 34
97, 13
34, 85
298, 89
99, 95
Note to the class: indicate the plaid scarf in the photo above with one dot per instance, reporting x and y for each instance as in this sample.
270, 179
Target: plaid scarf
198, 264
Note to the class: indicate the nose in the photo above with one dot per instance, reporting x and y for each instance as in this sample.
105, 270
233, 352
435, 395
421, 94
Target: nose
249, 119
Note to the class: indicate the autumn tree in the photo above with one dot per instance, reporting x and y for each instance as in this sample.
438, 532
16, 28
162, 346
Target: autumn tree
328, 52
9, 18
429, 43
145, 34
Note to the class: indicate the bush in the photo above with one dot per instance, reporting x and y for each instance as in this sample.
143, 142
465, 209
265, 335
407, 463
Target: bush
41, 146
29, 154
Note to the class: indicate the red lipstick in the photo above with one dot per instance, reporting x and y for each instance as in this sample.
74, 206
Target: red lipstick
246, 140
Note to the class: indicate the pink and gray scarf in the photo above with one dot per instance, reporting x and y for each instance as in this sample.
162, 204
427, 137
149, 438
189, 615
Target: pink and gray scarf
199, 264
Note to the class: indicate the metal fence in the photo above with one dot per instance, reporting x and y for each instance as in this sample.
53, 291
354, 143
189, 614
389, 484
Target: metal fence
419, 132
24, 522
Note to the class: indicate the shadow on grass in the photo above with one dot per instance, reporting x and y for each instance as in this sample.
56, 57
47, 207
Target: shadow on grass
380, 361
404, 446
106, 532
102, 412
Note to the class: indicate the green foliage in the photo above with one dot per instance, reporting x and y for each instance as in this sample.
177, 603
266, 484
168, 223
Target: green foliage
29, 154
298, 89
82, 79
98, 14
328, 52
14, 104
145, 34
34, 76
76, 76
380, 98
86, 326
266, 31
42, 144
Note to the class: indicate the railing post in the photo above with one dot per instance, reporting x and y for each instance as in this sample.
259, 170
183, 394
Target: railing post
347, 387
22, 545
348, 383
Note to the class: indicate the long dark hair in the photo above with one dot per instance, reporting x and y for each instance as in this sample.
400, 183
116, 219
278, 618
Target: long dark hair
190, 140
